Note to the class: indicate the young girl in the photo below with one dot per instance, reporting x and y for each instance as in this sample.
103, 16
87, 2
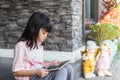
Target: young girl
28, 53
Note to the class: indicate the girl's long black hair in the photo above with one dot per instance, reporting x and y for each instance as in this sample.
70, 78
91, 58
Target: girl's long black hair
36, 21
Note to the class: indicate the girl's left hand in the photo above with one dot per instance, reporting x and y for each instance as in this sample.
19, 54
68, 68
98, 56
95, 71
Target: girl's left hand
55, 63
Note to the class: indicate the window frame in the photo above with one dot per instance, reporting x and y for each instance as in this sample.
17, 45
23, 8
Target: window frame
94, 10
95, 15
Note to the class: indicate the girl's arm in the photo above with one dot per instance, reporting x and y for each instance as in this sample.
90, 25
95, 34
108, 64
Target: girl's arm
48, 63
39, 72
52, 63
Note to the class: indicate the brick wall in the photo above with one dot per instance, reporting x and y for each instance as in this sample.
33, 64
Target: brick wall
66, 15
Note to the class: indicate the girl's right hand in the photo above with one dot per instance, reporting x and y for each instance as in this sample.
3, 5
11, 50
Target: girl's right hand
42, 72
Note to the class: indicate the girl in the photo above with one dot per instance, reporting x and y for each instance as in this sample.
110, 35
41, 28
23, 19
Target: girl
28, 53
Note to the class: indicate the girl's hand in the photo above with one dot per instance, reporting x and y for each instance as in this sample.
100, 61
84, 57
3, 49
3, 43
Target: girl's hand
55, 63
42, 72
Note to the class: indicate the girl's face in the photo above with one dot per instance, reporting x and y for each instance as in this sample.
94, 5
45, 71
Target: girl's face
42, 35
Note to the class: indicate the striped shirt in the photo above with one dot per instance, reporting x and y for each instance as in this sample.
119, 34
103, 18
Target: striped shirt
26, 58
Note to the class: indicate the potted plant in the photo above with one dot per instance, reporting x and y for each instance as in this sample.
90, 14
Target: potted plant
101, 32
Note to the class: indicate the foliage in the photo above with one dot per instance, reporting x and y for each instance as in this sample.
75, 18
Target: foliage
101, 32
118, 45
112, 16
108, 5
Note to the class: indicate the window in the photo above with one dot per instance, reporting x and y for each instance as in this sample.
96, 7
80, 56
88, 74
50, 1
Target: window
91, 12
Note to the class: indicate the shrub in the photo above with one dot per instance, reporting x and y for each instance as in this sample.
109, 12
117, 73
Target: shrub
101, 32
119, 45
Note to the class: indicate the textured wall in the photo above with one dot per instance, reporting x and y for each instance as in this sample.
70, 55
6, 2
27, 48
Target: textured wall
66, 15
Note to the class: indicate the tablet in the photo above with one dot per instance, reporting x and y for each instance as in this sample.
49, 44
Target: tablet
61, 65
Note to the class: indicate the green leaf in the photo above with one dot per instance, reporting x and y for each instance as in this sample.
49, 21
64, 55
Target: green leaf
102, 32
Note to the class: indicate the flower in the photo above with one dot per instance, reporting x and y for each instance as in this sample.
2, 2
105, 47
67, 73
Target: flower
113, 17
